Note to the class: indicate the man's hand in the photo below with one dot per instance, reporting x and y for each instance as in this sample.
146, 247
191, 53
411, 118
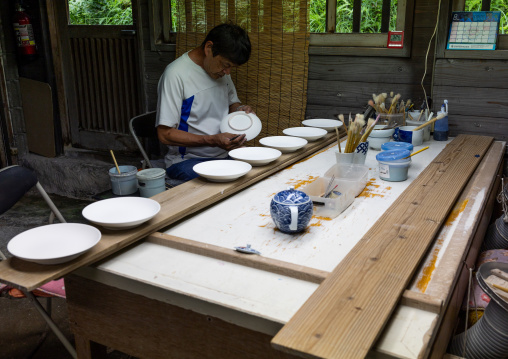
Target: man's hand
229, 141
239, 107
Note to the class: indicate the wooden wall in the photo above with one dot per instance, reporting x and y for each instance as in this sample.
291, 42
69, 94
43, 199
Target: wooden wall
153, 62
477, 93
476, 89
343, 84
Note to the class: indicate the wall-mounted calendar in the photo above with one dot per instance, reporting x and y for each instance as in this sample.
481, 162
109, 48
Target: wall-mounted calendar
473, 30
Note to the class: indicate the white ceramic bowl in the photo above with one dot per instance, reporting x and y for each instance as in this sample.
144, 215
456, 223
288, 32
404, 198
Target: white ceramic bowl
308, 133
284, 144
222, 170
376, 142
323, 123
240, 122
54, 243
121, 212
256, 156
376, 132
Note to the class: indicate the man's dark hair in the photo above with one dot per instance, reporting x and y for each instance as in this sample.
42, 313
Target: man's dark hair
229, 41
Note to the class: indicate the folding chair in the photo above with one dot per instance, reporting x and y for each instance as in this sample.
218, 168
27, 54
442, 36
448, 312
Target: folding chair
15, 182
143, 126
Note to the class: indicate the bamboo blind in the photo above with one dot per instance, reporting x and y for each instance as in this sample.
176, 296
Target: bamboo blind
274, 81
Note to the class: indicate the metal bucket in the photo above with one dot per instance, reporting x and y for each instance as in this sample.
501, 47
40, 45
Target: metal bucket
488, 338
151, 181
496, 236
124, 183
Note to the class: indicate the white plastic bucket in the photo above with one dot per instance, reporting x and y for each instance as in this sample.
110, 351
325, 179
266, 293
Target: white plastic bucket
124, 183
151, 181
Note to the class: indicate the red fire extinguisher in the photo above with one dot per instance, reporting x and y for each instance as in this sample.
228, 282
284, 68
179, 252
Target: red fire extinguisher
24, 32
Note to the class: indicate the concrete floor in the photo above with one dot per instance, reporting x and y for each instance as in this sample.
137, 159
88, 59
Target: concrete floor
23, 332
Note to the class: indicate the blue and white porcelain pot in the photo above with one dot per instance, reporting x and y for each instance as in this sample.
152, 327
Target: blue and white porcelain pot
291, 210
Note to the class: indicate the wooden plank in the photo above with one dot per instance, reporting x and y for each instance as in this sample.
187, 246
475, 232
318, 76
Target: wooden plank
349, 309
357, 15
353, 94
385, 16
453, 276
478, 125
176, 204
149, 328
422, 301
481, 73
470, 101
254, 261
373, 70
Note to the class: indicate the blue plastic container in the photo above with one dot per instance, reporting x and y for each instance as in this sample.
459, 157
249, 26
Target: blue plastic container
393, 165
388, 146
441, 129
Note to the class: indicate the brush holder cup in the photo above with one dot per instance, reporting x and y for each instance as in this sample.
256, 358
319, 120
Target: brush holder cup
406, 134
291, 210
392, 119
356, 157
379, 136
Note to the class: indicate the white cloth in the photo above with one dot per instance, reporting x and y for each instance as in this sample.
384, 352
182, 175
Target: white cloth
190, 100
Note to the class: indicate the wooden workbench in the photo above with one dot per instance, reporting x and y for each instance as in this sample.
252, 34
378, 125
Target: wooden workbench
183, 292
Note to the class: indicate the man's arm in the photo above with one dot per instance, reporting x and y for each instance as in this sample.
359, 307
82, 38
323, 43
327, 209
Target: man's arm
174, 137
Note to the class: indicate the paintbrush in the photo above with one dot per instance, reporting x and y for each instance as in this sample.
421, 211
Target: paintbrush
440, 116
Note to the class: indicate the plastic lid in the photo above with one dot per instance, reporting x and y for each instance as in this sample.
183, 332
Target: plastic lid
392, 155
151, 173
387, 146
291, 196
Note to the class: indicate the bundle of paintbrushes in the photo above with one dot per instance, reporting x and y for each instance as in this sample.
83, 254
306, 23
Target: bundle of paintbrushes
396, 105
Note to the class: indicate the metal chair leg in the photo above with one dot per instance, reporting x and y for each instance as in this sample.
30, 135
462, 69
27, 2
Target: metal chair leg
50, 203
51, 324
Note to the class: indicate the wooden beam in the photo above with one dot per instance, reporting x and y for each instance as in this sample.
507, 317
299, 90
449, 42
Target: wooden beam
348, 311
229, 255
385, 16
176, 204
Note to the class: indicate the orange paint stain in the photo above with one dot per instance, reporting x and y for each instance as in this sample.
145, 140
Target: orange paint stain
322, 218
299, 183
370, 190
457, 210
424, 281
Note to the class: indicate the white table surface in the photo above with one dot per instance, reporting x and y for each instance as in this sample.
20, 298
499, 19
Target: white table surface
261, 300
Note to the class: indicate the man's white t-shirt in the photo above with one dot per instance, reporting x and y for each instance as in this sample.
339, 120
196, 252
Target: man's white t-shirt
190, 100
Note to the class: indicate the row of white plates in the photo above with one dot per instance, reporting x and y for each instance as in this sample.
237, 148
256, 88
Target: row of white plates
63, 242
246, 157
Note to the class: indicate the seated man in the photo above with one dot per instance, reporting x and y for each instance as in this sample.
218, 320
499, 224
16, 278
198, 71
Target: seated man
195, 93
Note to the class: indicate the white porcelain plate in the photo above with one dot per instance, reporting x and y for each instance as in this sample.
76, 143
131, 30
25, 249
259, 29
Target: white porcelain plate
284, 144
121, 212
309, 133
256, 156
240, 122
54, 243
222, 170
323, 123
